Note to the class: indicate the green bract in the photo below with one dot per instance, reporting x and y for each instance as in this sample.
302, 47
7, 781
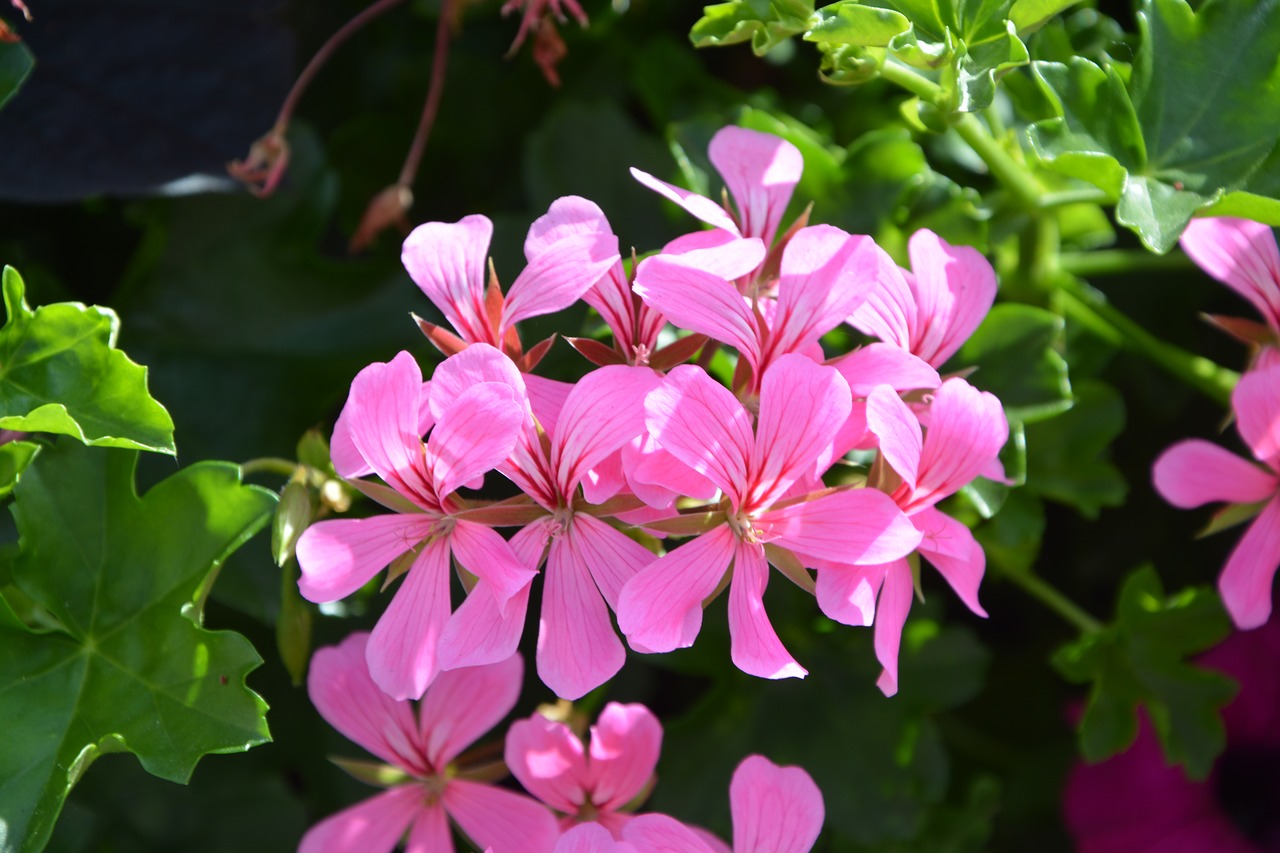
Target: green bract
130, 668
60, 372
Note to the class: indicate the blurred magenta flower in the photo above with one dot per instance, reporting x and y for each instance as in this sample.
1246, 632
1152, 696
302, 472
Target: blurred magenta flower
1242, 255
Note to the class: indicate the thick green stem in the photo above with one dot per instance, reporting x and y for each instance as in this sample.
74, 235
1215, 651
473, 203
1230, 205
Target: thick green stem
1089, 307
1085, 195
914, 83
270, 465
1120, 262
1055, 601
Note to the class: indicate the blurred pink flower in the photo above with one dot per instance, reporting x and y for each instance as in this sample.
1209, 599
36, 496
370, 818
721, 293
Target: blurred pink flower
1242, 255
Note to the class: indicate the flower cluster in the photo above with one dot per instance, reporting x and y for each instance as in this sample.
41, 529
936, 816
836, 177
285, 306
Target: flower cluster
1243, 255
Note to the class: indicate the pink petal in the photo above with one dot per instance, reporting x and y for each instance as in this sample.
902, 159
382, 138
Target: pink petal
1245, 582
372, 826
462, 371
761, 171
898, 432
342, 691
658, 478
494, 817
658, 833
430, 832
1194, 472
966, 430
481, 551
625, 743
611, 556
802, 408
549, 761
821, 282
889, 311
660, 609
775, 809
591, 838
558, 276
479, 632
578, 649
954, 289
382, 422
463, 704
698, 421
604, 411
755, 647
862, 527
346, 459
891, 615
475, 435
885, 364
447, 261
339, 556
1243, 256
718, 252
957, 556
700, 206
847, 594
546, 397
700, 301
1256, 401
567, 216
402, 648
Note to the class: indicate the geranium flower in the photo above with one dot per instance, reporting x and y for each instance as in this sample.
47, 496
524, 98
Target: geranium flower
1242, 255
459, 706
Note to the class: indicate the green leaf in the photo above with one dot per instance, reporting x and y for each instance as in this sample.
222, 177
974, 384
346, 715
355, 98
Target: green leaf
1012, 538
1029, 15
16, 63
60, 372
1141, 658
850, 23
132, 669
15, 456
766, 23
1067, 455
1177, 136
1017, 352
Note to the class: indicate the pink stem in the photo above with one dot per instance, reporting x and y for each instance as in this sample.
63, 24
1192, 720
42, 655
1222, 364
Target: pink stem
438, 65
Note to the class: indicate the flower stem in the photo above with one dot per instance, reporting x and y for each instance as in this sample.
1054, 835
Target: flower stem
431, 106
1050, 597
1120, 262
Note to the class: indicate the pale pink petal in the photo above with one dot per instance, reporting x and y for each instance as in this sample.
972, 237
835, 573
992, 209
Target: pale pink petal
891, 614
558, 276
861, 527
430, 833
700, 206
346, 459
372, 826
479, 632
775, 809
660, 609
897, 431
447, 261
501, 819
382, 423
462, 371
717, 252
847, 594
700, 301
700, 422
954, 288
761, 171
481, 551
339, 556
591, 838
658, 833
889, 311
604, 411
546, 397
475, 435
578, 649
612, 557
567, 216
625, 743
463, 704
402, 648
965, 431
1242, 255
1256, 401
755, 647
657, 477
803, 405
607, 478
549, 761
821, 281
1245, 582
1194, 472
339, 685
957, 556
885, 364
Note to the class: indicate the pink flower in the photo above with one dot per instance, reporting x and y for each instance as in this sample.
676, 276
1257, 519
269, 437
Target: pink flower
587, 785
1136, 802
802, 407
1195, 472
932, 310
474, 426
1243, 256
459, 707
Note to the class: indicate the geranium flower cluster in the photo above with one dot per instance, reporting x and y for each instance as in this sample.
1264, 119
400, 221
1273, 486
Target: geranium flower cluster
826, 466
1243, 255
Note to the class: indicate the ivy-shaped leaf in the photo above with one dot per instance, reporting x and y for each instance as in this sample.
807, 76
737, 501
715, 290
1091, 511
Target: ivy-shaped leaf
1067, 455
1173, 139
1142, 659
61, 373
131, 668
765, 23
16, 63
1017, 348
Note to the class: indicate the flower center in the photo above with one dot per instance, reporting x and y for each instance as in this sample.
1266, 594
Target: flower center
1248, 789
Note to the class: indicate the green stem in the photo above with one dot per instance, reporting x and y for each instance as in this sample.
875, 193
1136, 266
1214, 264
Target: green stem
1015, 177
1091, 308
1055, 601
270, 465
1121, 262
1085, 195
914, 83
